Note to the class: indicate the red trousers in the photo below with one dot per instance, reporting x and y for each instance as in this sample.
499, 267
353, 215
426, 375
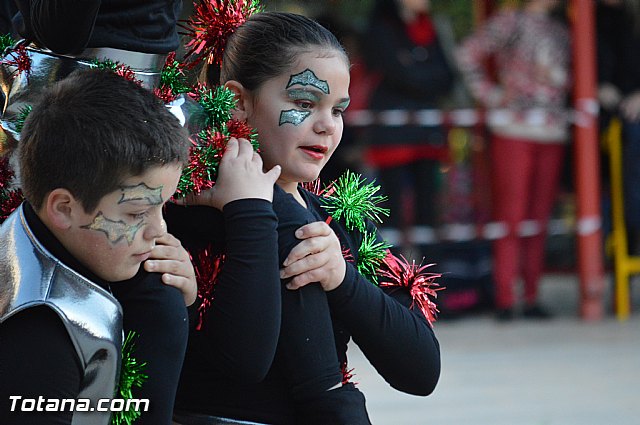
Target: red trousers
525, 181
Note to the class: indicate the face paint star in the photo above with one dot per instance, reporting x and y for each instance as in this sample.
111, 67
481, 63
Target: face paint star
141, 192
308, 78
114, 230
293, 117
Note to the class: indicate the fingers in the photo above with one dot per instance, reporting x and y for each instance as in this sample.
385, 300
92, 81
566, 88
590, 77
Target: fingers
245, 148
231, 150
303, 279
168, 239
317, 228
273, 174
307, 247
186, 286
304, 265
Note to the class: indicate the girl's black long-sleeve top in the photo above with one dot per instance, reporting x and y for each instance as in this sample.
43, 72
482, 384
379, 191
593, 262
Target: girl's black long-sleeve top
397, 340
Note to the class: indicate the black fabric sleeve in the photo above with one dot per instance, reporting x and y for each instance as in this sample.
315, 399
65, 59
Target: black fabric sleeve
397, 341
240, 329
158, 316
37, 358
306, 356
62, 26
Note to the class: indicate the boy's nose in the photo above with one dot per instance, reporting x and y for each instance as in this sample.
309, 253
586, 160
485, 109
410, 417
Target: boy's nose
156, 226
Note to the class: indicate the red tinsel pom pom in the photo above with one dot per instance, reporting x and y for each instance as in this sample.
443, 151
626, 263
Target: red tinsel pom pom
211, 24
19, 57
421, 285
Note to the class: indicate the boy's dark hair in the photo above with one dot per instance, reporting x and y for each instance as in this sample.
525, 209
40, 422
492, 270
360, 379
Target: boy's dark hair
268, 43
91, 131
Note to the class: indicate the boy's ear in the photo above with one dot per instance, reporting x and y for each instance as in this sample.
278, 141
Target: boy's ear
59, 208
243, 105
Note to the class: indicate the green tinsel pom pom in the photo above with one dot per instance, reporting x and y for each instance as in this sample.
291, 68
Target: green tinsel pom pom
131, 375
353, 200
218, 104
370, 256
173, 77
23, 113
6, 41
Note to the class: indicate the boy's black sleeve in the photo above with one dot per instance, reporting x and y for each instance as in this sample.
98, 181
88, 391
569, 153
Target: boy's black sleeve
37, 359
158, 316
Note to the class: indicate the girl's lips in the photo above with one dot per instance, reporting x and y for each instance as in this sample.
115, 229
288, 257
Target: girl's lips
315, 151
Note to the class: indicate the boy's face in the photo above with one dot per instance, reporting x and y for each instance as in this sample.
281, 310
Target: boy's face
298, 116
114, 239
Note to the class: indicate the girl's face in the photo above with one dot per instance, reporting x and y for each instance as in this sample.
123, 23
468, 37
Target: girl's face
298, 116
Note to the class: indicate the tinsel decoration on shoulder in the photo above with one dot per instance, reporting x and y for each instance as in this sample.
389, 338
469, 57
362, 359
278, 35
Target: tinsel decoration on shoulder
421, 284
131, 376
354, 201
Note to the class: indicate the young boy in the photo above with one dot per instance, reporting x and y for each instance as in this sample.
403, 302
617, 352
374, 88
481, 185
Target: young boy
99, 156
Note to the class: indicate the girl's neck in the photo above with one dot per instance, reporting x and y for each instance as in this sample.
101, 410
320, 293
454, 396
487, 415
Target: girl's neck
292, 188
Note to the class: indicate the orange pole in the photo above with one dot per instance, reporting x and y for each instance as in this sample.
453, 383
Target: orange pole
589, 220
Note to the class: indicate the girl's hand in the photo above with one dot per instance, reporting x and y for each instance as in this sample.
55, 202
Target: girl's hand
240, 176
318, 258
172, 260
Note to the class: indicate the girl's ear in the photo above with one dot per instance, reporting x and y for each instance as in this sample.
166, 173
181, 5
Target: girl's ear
243, 105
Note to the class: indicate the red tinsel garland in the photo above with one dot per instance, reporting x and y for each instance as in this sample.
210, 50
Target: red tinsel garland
207, 270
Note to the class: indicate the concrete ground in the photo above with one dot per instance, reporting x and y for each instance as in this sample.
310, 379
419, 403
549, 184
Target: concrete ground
559, 372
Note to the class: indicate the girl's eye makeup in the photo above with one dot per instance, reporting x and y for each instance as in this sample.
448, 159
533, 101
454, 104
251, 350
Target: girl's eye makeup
308, 78
293, 117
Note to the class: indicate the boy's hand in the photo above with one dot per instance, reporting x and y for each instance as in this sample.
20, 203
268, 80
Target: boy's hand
240, 176
318, 258
172, 260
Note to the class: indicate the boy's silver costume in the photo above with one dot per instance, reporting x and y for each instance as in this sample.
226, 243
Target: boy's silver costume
30, 276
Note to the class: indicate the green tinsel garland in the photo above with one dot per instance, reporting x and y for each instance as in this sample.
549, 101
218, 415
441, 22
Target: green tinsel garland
131, 375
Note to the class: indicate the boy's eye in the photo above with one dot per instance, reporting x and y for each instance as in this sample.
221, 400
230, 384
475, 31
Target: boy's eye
338, 112
139, 216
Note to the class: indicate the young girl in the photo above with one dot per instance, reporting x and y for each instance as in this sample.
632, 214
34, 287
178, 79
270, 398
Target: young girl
291, 79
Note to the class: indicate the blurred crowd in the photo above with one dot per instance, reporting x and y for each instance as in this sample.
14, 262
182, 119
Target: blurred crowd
484, 197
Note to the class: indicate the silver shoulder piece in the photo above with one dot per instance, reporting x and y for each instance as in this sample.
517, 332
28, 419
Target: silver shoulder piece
30, 276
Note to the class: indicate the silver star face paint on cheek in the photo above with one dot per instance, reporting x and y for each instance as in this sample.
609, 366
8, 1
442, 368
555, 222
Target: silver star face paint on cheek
141, 192
293, 117
114, 230
308, 78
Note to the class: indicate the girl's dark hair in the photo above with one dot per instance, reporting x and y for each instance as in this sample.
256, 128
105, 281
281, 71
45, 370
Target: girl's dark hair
268, 44
91, 131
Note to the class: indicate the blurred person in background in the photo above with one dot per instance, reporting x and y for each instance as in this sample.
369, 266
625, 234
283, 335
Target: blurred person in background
531, 48
402, 46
